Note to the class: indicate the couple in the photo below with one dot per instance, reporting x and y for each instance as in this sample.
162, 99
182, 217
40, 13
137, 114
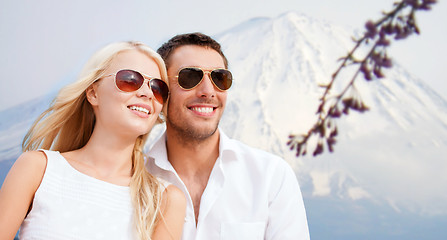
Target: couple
98, 184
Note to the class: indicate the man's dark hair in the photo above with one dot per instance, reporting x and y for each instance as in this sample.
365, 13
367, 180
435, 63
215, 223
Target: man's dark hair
197, 39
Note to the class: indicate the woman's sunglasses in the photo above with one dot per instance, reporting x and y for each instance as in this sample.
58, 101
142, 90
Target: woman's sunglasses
129, 81
188, 78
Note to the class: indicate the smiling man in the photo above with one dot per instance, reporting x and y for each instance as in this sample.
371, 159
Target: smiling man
233, 191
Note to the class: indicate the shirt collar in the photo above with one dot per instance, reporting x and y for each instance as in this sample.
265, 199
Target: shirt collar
159, 154
227, 147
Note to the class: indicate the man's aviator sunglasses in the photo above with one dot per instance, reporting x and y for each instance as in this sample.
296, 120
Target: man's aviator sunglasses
127, 80
189, 77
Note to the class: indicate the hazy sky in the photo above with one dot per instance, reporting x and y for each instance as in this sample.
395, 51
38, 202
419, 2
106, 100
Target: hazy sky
45, 43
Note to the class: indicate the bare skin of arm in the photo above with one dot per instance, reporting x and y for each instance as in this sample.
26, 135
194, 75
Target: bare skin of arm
173, 210
17, 192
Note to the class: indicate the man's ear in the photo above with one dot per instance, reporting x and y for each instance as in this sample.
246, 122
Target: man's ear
91, 94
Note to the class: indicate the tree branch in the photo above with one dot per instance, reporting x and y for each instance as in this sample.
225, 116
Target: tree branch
399, 23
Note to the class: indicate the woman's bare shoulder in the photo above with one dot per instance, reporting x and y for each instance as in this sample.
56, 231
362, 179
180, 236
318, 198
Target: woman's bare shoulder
30, 165
33, 159
173, 192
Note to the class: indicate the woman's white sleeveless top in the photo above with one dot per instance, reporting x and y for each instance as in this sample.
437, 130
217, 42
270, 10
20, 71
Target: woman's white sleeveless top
71, 205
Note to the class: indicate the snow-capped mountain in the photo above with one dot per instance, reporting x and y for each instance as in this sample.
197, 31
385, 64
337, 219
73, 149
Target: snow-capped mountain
398, 145
389, 163
389, 168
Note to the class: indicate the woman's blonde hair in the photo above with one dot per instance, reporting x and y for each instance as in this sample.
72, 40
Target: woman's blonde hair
69, 121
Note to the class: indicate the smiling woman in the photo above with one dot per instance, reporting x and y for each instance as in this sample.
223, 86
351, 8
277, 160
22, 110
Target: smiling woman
83, 165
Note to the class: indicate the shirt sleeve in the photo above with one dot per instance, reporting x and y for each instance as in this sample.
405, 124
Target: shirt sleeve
287, 215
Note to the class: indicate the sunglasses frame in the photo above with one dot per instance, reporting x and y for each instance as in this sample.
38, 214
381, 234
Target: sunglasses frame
146, 78
204, 72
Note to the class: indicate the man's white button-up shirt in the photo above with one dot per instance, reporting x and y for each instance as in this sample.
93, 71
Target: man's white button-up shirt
251, 194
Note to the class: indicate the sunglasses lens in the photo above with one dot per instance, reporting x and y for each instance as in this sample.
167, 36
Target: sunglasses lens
222, 78
160, 90
189, 77
128, 80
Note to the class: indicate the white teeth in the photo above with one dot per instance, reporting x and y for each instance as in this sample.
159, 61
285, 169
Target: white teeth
139, 109
203, 109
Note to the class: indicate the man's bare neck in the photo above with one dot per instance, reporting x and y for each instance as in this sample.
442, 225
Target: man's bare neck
192, 157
